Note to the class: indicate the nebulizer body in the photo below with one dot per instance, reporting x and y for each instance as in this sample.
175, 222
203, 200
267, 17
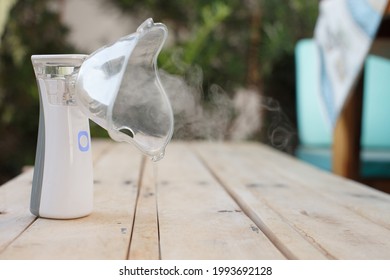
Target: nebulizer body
118, 88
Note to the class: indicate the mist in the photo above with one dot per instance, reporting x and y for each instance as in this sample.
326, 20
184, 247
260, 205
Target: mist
237, 116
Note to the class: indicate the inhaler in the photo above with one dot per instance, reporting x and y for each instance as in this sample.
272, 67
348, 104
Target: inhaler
118, 88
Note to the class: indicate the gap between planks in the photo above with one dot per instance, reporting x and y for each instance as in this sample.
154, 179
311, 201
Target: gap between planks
144, 242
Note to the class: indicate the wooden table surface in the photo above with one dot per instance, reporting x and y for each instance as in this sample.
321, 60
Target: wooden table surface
203, 201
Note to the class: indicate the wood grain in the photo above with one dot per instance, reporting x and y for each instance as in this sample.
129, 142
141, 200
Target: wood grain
223, 163
198, 219
105, 234
145, 237
365, 201
326, 223
347, 133
15, 215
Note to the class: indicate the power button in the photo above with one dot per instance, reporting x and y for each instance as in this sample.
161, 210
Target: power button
83, 141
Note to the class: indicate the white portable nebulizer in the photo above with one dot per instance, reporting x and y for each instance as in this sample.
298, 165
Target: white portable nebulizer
117, 87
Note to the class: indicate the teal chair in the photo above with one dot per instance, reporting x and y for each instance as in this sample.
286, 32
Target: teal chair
315, 135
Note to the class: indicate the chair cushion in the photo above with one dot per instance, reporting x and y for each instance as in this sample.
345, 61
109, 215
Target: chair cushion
375, 162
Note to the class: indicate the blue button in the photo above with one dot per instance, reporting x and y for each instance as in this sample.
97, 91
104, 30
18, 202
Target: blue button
83, 140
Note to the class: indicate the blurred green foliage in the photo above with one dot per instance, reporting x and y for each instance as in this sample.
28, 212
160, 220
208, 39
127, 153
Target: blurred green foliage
220, 35
236, 43
31, 29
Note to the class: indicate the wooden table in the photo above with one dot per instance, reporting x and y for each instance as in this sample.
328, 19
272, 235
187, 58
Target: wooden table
203, 201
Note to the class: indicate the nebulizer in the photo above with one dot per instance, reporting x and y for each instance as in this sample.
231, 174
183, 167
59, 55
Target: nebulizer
117, 87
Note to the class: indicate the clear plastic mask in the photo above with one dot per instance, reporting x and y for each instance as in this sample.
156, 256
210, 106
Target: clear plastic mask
118, 87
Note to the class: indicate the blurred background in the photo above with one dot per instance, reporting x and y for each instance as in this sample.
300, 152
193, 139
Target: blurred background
228, 65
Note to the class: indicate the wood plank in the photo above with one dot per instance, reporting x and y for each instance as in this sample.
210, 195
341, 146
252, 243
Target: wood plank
145, 238
363, 200
15, 215
105, 234
99, 147
198, 219
334, 229
222, 163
